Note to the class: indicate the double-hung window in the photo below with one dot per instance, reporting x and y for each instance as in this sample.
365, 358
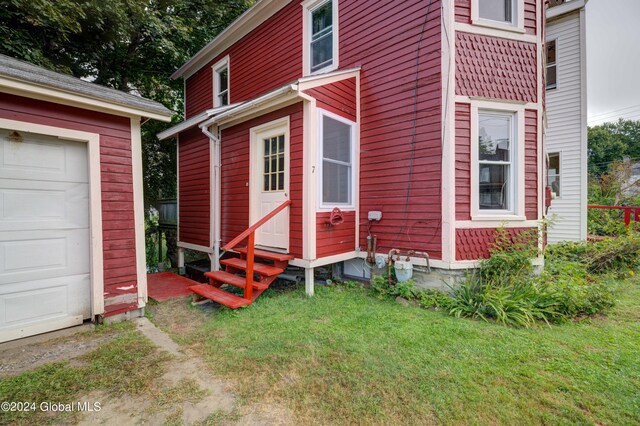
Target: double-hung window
496, 162
553, 174
221, 83
321, 36
502, 11
552, 69
336, 154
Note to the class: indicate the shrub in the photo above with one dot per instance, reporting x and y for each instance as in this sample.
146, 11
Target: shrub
434, 299
615, 254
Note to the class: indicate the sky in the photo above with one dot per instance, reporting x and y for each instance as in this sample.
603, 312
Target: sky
613, 60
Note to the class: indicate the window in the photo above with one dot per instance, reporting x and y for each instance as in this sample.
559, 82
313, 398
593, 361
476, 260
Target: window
496, 154
552, 71
553, 174
273, 156
498, 10
321, 39
336, 153
221, 83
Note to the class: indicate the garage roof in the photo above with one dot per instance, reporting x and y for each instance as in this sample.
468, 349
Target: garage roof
18, 71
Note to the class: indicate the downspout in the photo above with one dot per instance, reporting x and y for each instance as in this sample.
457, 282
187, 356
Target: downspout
217, 191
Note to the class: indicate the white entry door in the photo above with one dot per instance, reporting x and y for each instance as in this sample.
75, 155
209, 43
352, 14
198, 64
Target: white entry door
44, 234
270, 183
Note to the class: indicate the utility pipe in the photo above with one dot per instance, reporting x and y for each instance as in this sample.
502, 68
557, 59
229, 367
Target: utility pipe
216, 196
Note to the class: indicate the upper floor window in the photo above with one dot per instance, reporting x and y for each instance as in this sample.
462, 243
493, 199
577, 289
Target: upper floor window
552, 69
321, 36
221, 83
498, 10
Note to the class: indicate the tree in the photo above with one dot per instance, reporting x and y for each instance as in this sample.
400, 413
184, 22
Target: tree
613, 142
129, 45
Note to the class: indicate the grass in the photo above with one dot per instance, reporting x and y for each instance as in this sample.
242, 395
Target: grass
344, 357
126, 364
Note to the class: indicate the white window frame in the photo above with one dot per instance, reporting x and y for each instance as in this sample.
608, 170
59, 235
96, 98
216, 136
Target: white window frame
560, 180
517, 211
219, 66
546, 65
351, 205
516, 25
308, 7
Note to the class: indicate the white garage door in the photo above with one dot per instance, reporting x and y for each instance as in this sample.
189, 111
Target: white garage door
44, 234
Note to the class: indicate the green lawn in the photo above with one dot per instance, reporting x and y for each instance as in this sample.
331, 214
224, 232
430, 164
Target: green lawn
344, 357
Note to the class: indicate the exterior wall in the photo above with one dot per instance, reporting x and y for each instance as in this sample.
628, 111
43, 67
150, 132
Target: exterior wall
463, 161
335, 239
194, 188
566, 129
338, 98
531, 164
235, 171
252, 70
119, 252
473, 244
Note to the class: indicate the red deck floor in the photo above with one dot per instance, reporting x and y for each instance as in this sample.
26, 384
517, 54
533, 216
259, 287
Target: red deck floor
167, 285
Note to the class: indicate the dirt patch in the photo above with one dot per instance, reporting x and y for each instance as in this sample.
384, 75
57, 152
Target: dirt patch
19, 359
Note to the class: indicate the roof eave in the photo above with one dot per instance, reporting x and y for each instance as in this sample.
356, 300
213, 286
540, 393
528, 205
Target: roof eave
564, 9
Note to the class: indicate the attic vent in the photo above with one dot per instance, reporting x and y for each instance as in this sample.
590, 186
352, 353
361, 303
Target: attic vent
15, 137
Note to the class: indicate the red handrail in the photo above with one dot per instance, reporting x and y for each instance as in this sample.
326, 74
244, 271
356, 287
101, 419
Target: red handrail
627, 212
231, 244
250, 232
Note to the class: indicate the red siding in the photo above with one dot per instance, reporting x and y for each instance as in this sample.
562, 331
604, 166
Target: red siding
267, 58
194, 186
335, 239
463, 14
495, 68
116, 175
398, 116
463, 161
474, 244
235, 176
531, 164
339, 98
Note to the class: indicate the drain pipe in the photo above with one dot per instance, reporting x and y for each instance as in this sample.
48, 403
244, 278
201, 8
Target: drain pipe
216, 193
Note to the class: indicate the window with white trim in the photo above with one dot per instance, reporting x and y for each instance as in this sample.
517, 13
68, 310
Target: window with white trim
337, 137
221, 83
503, 11
553, 174
552, 69
496, 162
321, 38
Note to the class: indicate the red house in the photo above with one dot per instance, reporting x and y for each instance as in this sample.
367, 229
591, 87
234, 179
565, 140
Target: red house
417, 122
71, 204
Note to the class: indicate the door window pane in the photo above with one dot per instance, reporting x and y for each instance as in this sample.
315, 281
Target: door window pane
274, 164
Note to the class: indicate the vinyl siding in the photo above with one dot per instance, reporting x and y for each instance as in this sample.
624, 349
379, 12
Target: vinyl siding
565, 131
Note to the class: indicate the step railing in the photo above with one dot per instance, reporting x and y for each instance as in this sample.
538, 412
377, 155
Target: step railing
628, 211
250, 234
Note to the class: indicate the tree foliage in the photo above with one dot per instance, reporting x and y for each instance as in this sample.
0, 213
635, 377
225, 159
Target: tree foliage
613, 142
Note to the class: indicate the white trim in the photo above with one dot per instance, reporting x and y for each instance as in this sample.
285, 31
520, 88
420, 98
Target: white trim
494, 32
316, 80
497, 222
247, 22
195, 247
322, 206
584, 152
469, 99
560, 154
568, 7
95, 197
278, 97
215, 72
308, 6
312, 263
193, 121
434, 263
517, 211
448, 193
44, 93
541, 121
138, 211
517, 26
309, 197
356, 160
545, 65
278, 126
177, 188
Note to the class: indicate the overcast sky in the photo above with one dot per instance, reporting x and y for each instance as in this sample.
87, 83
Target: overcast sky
613, 60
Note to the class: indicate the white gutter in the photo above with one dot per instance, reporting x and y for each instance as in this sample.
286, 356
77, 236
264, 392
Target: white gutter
216, 195
193, 121
563, 9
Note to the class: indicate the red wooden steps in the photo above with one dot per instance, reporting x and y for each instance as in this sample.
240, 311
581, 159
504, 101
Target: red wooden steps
227, 278
269, 255
260, 268
224, 298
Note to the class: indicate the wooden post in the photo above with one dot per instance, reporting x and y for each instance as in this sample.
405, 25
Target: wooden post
627, 216
309, 281
248, 289
159, 245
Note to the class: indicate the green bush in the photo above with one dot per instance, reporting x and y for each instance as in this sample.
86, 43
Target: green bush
432, 298
407, 290
617, 255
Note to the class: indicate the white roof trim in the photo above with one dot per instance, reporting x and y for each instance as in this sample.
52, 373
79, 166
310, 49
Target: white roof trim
563, 9
247, 22
193, 121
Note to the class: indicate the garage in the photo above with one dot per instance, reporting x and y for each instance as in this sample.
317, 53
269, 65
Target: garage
71, 202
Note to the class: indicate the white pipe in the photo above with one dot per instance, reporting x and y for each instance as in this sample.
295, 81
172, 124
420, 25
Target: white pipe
216, 195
